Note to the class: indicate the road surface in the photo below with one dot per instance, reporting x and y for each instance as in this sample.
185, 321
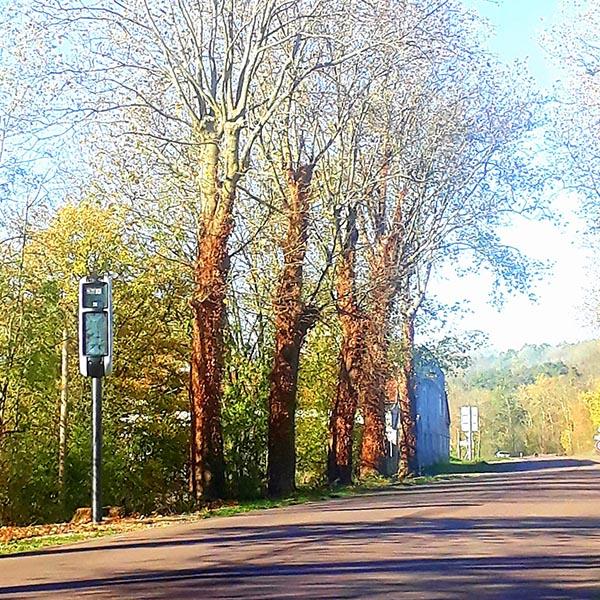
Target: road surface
529, 530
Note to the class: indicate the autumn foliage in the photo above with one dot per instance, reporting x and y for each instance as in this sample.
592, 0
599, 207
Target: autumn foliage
271, 186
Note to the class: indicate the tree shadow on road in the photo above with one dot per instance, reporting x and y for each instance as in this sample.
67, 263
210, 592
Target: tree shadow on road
429, 531
247, 559
294, 560
484, 577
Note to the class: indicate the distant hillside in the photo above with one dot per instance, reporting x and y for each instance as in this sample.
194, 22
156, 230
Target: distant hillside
540, 398
583, 356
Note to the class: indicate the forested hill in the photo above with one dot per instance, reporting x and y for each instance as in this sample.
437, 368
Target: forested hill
540, 398
584, 356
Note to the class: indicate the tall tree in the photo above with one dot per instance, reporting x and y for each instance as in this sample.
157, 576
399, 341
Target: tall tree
352, 321
205, 79
309, 130
464, 178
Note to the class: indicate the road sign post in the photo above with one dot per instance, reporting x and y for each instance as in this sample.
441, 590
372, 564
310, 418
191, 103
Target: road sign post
469, 424
95, 361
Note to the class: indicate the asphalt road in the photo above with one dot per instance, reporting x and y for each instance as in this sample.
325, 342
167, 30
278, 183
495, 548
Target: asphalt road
529, 530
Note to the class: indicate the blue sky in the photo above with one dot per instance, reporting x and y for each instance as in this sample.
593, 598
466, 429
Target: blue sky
561, 312
517, 25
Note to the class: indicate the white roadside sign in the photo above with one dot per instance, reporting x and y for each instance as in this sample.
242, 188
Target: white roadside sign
469, 418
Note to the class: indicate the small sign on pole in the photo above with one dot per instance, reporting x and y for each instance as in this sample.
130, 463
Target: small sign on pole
465, 417
469, 424
474, 418
469, 418
95, 361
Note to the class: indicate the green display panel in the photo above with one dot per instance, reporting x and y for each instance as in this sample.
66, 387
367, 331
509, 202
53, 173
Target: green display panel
95, 333
95, 295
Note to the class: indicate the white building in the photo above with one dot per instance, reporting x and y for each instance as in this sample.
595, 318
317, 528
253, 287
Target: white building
433, 420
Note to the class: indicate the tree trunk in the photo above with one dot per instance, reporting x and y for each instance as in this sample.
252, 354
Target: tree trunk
375, 365
383, 275
408, 464
293, 319
207, 469
208, 306
63, 410
341, 424
373, 384
343, 415
372, 456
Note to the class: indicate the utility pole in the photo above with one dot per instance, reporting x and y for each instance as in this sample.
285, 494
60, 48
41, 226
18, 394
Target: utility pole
95, 361
469, 424
96, 449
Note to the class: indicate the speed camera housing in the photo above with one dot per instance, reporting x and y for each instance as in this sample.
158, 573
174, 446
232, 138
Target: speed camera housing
95, 326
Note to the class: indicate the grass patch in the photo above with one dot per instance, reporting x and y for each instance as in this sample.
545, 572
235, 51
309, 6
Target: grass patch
33, 541
456, 467
36, 543
419, 480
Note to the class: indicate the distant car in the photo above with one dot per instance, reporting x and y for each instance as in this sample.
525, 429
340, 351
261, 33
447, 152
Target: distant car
502, 454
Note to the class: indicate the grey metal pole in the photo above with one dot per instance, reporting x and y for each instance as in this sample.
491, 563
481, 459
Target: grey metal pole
97, 449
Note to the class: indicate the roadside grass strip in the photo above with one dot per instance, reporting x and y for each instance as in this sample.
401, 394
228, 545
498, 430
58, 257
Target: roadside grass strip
17, 540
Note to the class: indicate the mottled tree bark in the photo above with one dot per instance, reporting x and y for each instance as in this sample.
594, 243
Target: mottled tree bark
341, 424
372, 452
293, 319
206, 374
208, 306
408, 415
343, 414
383, 274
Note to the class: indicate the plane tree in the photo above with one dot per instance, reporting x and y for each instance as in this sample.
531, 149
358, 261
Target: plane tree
204, 80
468, 177
449, 154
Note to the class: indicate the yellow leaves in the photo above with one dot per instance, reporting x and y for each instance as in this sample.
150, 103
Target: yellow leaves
592, 401
150, 293
81, 239
566, 440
